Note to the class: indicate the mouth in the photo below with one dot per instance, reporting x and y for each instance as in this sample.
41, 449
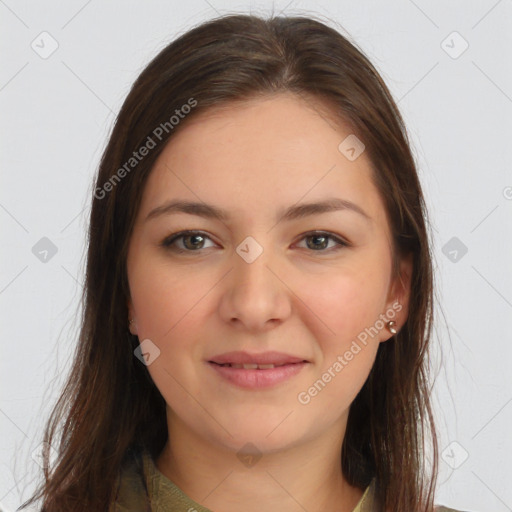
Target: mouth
256, 371
253, 366
263, 360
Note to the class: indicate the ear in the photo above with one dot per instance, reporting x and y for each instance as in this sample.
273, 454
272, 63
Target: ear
131, 316
399, 295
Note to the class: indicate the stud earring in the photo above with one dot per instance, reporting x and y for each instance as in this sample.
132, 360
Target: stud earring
391, 326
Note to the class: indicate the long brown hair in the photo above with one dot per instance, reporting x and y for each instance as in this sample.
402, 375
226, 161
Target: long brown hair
110, 405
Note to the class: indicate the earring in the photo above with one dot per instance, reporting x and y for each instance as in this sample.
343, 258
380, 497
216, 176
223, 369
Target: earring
130, 321
391, 326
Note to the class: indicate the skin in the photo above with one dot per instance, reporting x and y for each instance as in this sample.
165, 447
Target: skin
299, 297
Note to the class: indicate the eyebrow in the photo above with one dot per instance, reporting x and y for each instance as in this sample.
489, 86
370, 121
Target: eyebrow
292, 213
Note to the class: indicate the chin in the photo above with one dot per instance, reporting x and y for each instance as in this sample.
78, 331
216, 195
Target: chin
257, 443
262, 436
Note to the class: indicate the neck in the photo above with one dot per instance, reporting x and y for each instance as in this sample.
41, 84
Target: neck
304, 477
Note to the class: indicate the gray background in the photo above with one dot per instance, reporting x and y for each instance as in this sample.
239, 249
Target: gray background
57, 112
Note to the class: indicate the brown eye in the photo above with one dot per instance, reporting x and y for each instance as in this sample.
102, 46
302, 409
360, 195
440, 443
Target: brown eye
192, 241
320, 242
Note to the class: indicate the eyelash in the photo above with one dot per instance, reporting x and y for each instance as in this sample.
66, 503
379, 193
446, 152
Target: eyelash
169, 241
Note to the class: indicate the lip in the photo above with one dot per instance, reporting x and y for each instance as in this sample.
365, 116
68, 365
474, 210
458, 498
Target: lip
241, 357
255, 378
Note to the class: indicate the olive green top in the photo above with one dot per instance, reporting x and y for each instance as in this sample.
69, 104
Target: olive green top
162, 495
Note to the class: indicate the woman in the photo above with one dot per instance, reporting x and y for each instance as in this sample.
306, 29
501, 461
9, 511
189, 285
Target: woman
258, 299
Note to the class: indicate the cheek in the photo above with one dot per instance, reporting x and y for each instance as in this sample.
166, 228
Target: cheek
172, 306
170, 313
162, 298
344, 304
332, 393
345, 324
346, 310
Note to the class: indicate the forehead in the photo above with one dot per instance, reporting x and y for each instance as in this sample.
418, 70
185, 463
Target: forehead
260, 155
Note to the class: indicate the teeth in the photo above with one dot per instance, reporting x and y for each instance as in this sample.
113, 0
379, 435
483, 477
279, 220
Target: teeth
251, 366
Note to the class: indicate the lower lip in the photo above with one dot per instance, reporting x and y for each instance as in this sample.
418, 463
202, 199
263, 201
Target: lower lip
257, 379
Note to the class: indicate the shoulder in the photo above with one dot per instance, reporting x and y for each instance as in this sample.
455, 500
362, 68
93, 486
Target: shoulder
441, 508
367, 502
131, 495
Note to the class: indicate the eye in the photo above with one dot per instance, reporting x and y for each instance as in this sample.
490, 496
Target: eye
193, 241
320, 240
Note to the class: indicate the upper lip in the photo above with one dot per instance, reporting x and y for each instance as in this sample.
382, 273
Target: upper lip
241, 357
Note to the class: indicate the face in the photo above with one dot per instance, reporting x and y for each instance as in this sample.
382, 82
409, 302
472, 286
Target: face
315, 287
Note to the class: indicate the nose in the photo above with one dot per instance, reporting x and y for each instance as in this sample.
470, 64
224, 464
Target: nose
256, 296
